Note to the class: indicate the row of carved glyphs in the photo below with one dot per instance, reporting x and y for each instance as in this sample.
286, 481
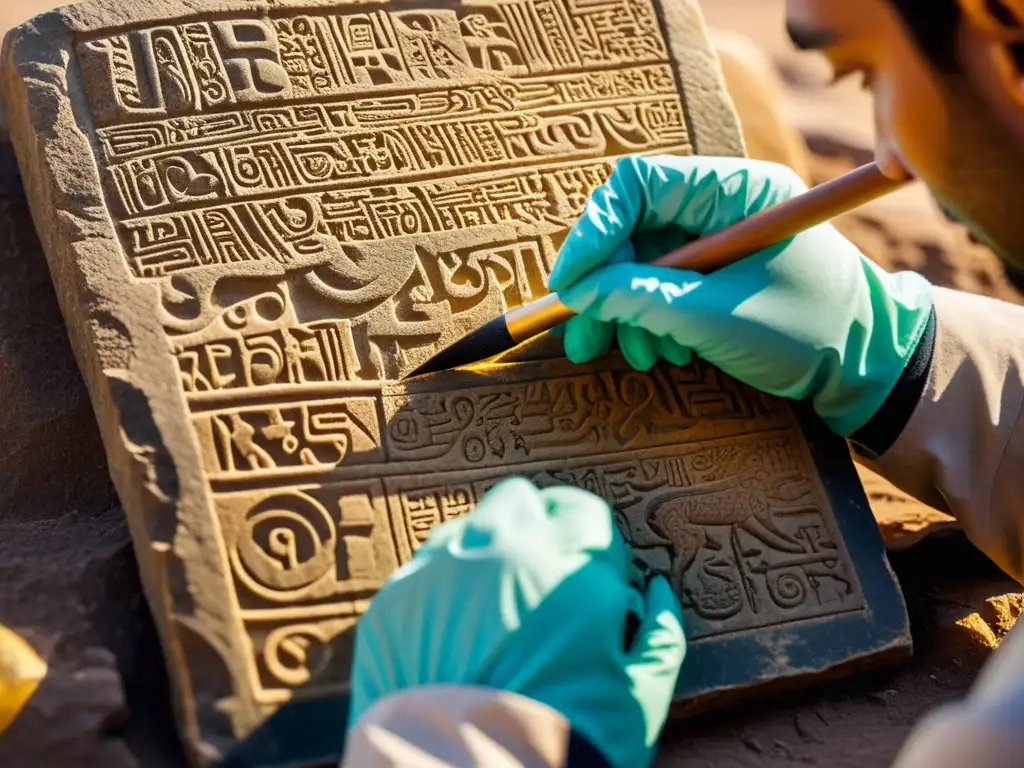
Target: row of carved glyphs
537, 416
360, 321
199, 65
738, 526
484, 426
470, 91
326, 159
361, 113
312, 229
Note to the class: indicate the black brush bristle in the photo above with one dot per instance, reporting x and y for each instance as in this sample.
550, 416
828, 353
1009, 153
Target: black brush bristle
486, 341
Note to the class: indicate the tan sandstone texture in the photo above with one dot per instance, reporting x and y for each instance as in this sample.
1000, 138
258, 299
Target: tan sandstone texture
258, 217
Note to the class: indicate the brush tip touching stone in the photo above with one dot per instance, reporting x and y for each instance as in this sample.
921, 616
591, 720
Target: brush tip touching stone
485, 342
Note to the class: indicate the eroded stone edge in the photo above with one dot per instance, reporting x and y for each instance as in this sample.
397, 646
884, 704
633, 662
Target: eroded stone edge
153, 457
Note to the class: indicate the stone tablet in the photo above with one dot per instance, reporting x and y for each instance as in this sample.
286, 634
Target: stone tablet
259, 215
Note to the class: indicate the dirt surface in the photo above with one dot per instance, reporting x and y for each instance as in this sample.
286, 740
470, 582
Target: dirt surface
960, 606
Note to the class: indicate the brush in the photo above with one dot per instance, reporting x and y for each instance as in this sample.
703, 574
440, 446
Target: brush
714, 251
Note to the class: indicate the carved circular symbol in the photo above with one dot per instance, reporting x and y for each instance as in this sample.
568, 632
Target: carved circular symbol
404, 429
265, 308
285, 546
295, 655
787, 589
474, 449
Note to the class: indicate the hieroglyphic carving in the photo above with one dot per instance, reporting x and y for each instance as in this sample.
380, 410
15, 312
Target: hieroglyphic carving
598, 413
481, 92
290, 205
304, 562
306, 437
740, 527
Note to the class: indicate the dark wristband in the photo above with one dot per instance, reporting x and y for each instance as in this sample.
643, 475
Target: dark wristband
583, 754
877, 436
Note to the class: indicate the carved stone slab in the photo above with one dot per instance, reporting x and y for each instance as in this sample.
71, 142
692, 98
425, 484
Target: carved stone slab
257, 216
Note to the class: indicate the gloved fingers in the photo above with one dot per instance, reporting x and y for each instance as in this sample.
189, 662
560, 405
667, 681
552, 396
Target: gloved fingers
623, 254
586, 339
673, 351
698, 194
720, 191
657, 653
636, 294
583, 522
508, 512
650, 245
634, 614
638, 346
661, 640
612, 213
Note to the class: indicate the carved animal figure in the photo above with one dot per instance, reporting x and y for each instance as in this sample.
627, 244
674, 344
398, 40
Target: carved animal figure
681, 519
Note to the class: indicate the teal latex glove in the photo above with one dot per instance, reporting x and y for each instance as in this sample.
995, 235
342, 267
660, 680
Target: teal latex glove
811, 317
530, 593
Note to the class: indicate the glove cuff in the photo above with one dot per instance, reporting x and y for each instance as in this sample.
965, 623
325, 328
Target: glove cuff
874, 438
892, 315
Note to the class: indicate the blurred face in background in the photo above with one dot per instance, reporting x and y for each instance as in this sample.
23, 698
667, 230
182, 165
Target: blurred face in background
960, 129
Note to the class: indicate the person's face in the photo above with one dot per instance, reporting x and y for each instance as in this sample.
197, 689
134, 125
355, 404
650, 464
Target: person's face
958, 133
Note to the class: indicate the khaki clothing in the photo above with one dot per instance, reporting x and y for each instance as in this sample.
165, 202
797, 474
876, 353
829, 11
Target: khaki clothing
449, 726
961, 451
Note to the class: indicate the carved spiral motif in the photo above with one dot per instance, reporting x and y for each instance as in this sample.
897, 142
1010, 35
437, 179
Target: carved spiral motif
463, 410
405, 429
296, 654
787, 589
703, 462
286, 545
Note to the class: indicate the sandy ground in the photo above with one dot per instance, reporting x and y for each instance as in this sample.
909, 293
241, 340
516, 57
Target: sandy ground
960, 605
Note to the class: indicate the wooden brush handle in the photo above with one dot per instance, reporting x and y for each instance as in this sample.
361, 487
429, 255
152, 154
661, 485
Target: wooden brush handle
735, 242
782, 221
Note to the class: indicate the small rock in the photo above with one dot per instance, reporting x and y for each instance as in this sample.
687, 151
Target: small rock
809, 726
21, 671
751, 743
71, 720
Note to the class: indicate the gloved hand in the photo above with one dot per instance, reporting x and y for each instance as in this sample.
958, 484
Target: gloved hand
529, 593
808, 318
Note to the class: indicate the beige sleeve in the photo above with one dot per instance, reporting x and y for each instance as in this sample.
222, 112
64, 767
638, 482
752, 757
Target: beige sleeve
984, 731
962, 451
451, 726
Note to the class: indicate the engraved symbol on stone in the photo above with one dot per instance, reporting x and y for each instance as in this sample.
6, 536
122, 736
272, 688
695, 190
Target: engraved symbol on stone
286, 545
372, 50
249, 49
490, 45
432, 44
297, 654
682, 519
186, 182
